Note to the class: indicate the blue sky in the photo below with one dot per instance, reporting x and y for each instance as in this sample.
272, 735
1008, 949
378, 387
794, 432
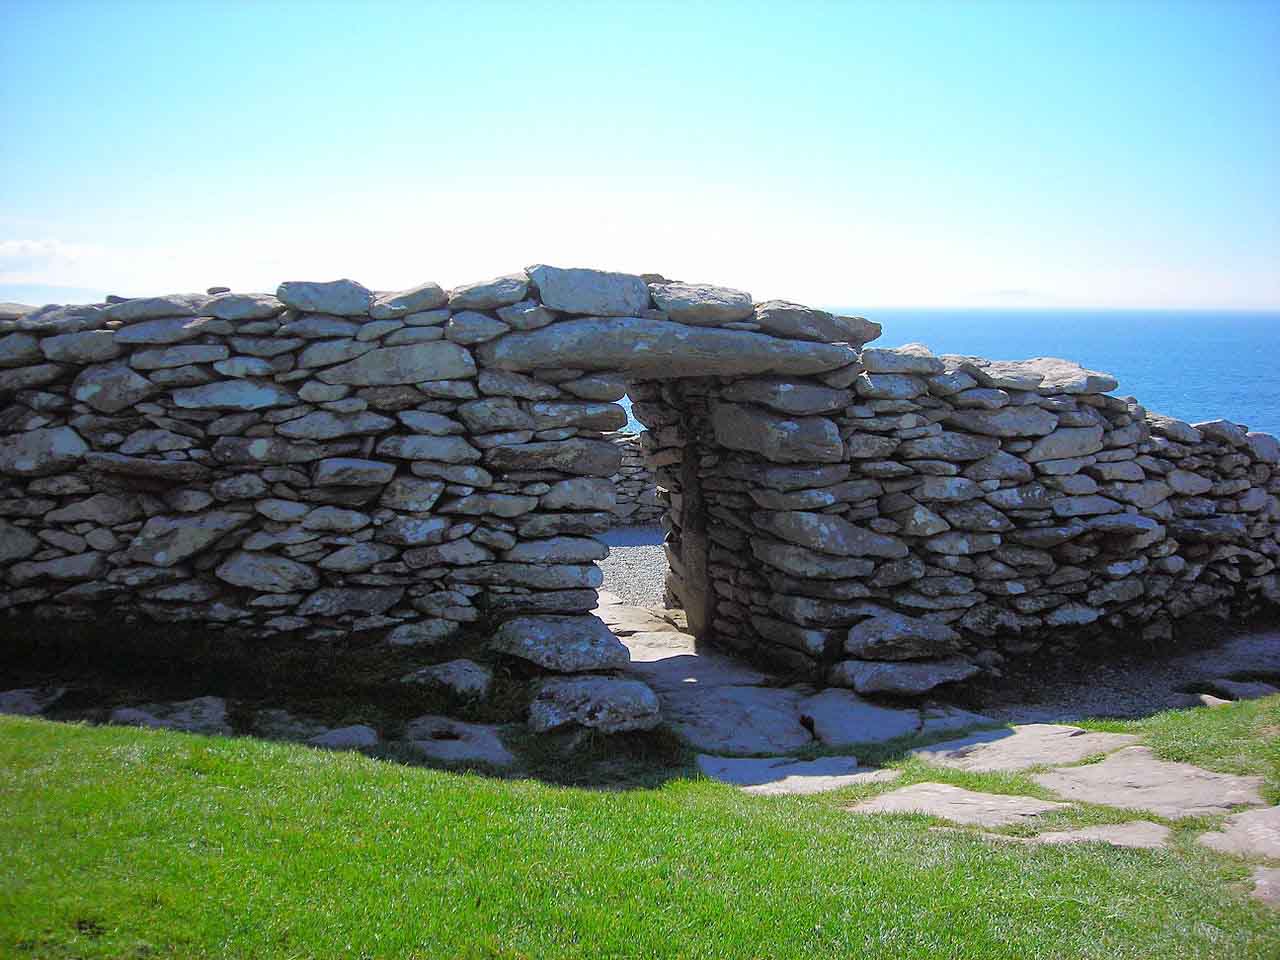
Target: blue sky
1026, 154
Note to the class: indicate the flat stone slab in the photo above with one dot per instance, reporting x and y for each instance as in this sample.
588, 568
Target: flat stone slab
1135, 778
776, 777
355, 737
841, 718
959, 805
452, 741
1018, 748
1266, 885
737, 720
1241, 689
1254, 833
942, 718
1136, 834
667, 661
30, 701
202, 715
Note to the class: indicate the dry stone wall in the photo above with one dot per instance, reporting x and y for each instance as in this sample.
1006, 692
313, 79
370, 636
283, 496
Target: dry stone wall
426, 465
635, 489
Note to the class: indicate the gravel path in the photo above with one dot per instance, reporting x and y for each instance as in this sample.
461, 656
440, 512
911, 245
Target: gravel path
636, 568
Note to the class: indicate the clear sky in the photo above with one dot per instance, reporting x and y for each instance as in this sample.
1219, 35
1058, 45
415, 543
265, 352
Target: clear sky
1024, 154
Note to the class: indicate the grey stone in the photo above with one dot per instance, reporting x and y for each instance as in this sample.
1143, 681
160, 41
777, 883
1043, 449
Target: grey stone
413, 363
166, 541
1065, 443
499, 383
30, 701
487, 294
828, 534
144, 308
470, 327
38, 453
443, 449
839, 718
425, 296
111, 387
422, 633
911, 359
594, 292
1254, 833
343, 298
557, 550
244, 367
323, 425
462, 678
580, 493
81, 566
959, 805
355, 737
772, 776
904, 678
336, 601
787, 396
207, 715
1136, 835
89, 346
1007, 422
456, 743
549, 415
346, 472
793, 321
565, 644
163, 358
15, 543
657, 349
1134, 778
356, 558
953, 446
607, 704
737, 720
243, 306
577, 456
889, 635
268, 573
20, 349
525, 315
234, 395
803, 439
1022, 747
324, 353
701, 304
163, 332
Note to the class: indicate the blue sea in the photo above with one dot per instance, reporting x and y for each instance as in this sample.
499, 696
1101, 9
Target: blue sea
1193, 365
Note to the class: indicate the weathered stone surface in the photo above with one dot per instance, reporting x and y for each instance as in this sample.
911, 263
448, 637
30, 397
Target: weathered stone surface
793, 321
267, 572
165, 541
741, 427
607, 704
1266, 885
39, 453
89, 346
580, 493
243, 306
585, 457
1135, 779
659, 349
1007, 422
462, 678
30, 701
206, 715
895, 636
1022, 747
21, 349
563, 644
737, 720
593, 292
788, 396
784, 777
355, 737
344, 298
111, 387
904, 678
487, 294
469, 327
956, 447
413, 363
234, 395
323, 425
828, 534
349, 471
959, 805
1065, 443
458, 744
15, 543
1254, 833
425, 296
911, 359
839, 718
336, 601
701, 304
441, 449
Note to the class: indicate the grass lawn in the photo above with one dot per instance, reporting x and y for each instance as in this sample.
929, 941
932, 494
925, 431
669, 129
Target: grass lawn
117, 842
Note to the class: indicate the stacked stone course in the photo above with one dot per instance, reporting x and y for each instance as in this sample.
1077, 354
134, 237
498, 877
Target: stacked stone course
638, 501
424, 465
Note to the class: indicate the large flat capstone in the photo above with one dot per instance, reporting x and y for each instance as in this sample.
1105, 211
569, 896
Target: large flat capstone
659, 349
959, 805
1031, 745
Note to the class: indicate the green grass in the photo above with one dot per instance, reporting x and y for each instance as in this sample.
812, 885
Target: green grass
121, 843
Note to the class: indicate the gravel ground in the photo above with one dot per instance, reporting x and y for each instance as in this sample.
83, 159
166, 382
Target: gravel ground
636, 568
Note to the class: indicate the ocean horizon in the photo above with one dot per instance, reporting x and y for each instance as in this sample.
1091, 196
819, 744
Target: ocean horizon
1191, 364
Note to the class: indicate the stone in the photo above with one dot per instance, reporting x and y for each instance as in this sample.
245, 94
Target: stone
21, 349
959, 805
443, 449
207, 715
357, 558
30, 701
903, 678
1064, 376
81, 566
234, 395
343, 298
565, 644
943, 718
1135, 835
772, 776
111, 387
337, 601
243, 306
488, 294
793, 321
456, 743
798, 398
244, 367
1022, 747
669, 661
355, 737
422, 633
607, 704
1065, 443
737, 720
577, 456
163, 332
499, 383
439, 360
1254, 833
895, 636
701, 304
463, 678
470, 327
1007, 422
324, 353
425, 296
166, 541
38, 453
144, 308
1133, 778
1266, 885
917, 360
957, 447
158, 471
348, 472
839, 718
580, 493
525, 315
549, 415
15, 543
89, 346
592, 292
658, 349
803, 439
165, 358
829, 534
1242, 690
889, 386
557, 550
323, 425
267, 572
